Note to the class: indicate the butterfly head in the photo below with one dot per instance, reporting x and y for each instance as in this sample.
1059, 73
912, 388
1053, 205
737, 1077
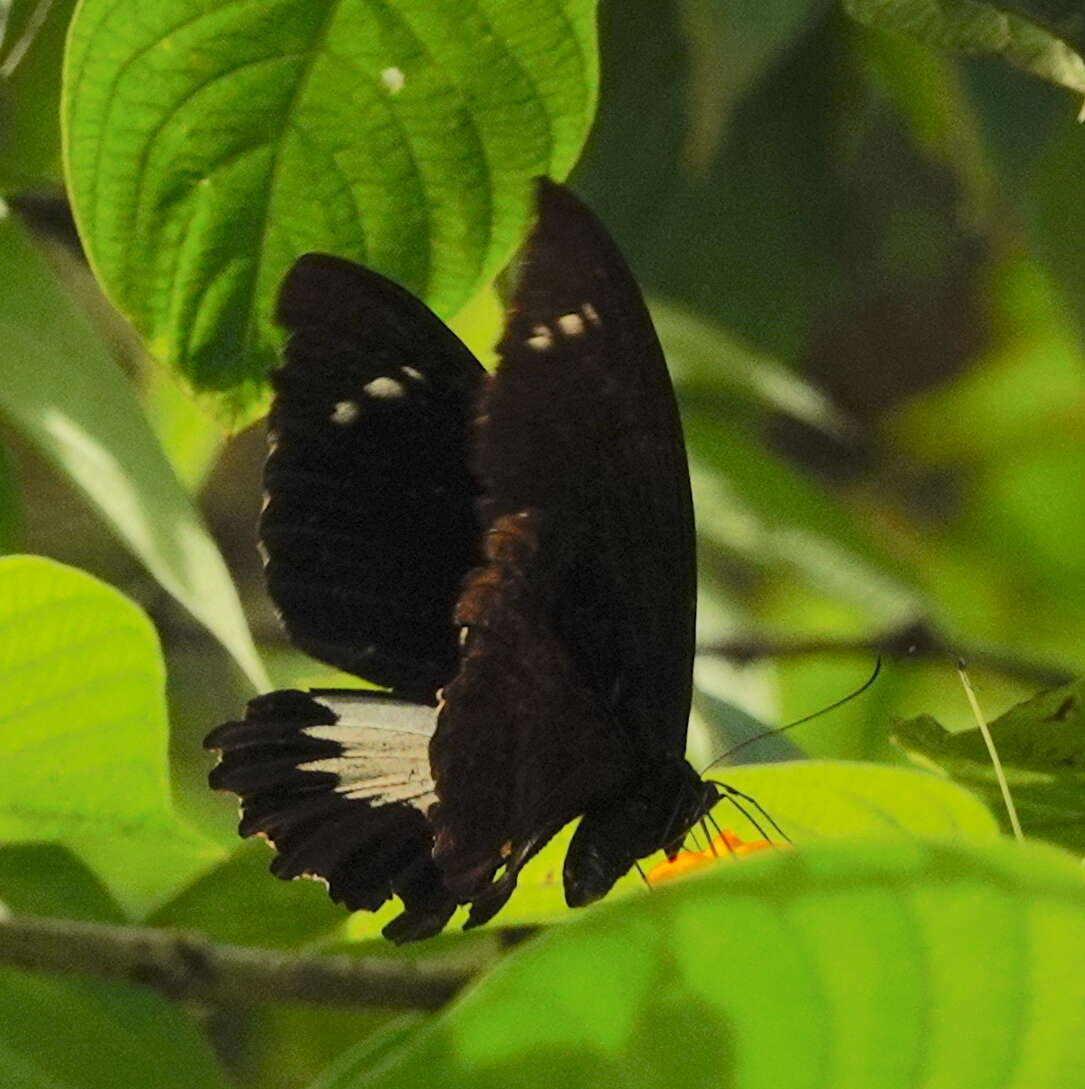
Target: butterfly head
653, 814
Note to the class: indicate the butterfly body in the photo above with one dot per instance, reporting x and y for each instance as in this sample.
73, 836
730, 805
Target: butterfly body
513, 556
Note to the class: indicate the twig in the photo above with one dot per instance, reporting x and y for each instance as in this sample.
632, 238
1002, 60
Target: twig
184, 965
992, 752
915, 642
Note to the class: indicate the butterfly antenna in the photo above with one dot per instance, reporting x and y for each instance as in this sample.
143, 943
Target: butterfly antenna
643, 876
989, 741
731, 795
799, 721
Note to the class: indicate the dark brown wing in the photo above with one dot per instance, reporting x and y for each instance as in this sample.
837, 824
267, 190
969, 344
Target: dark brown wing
370, 523
575, 686
581, 424
522, 746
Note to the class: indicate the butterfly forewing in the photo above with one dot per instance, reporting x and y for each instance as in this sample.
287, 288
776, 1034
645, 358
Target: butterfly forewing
582, 425
370, 522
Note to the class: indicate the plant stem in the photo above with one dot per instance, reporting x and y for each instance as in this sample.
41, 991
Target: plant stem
188, 966
919, 641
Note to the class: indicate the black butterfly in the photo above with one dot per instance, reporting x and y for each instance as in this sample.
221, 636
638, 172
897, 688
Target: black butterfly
512, 556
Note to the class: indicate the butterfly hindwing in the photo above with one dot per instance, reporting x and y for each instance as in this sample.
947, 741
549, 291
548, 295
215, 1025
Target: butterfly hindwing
338, 782
370, 522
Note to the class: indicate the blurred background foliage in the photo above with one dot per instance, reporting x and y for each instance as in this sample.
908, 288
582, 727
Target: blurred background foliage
865, 262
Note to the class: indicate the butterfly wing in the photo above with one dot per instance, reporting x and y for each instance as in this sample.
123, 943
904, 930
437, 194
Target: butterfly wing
582, 425
338, 783
370, 522
576, 680
573, 680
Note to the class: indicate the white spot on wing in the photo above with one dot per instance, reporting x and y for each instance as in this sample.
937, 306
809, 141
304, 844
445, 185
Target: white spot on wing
413, 374
344, 413
590, 313
571, 324
384, 389
541, 338
393, 80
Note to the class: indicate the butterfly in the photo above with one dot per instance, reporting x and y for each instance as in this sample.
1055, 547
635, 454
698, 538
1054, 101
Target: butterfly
512, 557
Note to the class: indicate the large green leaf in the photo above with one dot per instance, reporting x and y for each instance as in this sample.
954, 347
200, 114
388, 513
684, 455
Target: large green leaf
209, 143
1013, 30
810, 800
1041, 745
237, 902
60, 389
69, 1033
83, 731
88, 1034
23, 1074
843, 965
47, 879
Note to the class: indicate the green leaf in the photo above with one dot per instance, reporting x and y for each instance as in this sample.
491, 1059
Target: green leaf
844, 965
791, 971
365, 1056
67, 1033
810, 800
210, 143
47, 879
30, 64
190, 438
975, 27
22, 1074
1041, 744
60, 389
90, 1034
706, 361
83, 731
237, 902
11, 506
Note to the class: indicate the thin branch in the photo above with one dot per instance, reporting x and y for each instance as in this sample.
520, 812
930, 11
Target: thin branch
184, 965
911, 642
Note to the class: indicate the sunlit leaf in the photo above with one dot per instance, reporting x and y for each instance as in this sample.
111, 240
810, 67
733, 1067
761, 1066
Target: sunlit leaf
809, 800
843, 965
83, 731
60, 389
210, 143
1013, 31
1041, 744
189, 437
